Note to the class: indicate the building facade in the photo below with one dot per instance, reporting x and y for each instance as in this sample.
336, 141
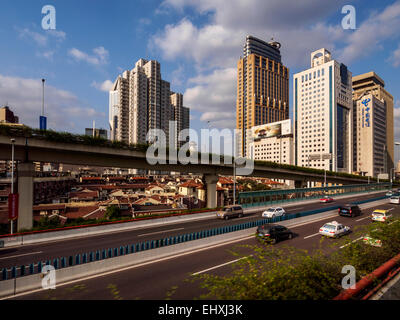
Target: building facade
371, 86
7, 116
323, 112
140, 100
98, 133
272, 142
370, 149
262, 88
181, 116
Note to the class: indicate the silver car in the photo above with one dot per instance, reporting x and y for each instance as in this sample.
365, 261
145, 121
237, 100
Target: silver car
395, 200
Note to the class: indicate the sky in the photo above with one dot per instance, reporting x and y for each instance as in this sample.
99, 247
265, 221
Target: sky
197, 42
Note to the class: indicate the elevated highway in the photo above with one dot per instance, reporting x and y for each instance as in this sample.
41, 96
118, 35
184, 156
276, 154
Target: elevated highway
37, 148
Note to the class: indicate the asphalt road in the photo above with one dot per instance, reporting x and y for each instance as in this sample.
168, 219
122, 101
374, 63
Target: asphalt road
27, 254
169, 278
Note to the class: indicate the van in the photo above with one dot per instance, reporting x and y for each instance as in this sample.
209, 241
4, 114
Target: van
230, 212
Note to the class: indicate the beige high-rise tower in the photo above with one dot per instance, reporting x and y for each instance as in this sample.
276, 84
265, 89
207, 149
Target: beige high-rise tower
262, 88
364, 87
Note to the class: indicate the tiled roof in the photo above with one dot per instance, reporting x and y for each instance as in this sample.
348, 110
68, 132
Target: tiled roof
79, 212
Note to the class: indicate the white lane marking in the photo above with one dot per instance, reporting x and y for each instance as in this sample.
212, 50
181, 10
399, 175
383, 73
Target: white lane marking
313, 235
148, 234
351, 243
219, 266
21, 255
363, 218
296, 208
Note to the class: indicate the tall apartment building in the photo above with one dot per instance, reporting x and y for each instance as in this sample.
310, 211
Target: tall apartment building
373, 136
181, 116
323, 111
262, 88
140, 100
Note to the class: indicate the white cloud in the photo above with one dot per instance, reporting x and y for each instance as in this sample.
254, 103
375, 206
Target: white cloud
300, 26
214, 94
395, 58
99, 57
371, 34
103, 86
41, 38
61, 107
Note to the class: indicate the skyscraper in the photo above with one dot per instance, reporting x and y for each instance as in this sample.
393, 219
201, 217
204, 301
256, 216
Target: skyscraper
373, 123
323, 110
262, 88
140, 100
181, 116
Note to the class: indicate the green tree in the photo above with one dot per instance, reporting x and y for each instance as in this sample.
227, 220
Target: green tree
113, 212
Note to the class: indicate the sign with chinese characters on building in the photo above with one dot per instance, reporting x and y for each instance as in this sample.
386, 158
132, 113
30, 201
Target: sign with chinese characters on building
365, 113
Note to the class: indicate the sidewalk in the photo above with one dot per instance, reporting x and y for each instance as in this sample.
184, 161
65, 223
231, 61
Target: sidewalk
127, 226
391, 291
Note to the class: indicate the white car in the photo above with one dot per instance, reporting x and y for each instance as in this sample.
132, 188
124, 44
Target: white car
333, 229
274, 212
395, 200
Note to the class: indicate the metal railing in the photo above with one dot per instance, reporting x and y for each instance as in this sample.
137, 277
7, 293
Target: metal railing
270, 197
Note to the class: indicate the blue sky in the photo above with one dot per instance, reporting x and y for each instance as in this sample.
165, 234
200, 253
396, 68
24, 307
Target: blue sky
197, 42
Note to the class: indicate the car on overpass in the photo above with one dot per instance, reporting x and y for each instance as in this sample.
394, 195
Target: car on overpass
389, 193
326, 199
334, 229
273, 212
231, 211
273, 233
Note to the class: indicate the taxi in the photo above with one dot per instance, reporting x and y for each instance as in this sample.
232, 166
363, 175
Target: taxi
334, 229
381, 215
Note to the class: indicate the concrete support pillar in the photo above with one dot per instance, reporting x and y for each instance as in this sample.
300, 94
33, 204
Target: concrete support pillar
26, 173
299, 184
211, 189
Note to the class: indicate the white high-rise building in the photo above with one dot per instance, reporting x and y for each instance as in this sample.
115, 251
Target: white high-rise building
323, 110
139, 101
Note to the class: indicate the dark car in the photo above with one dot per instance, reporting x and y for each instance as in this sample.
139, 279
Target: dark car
350, 210
273, 233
